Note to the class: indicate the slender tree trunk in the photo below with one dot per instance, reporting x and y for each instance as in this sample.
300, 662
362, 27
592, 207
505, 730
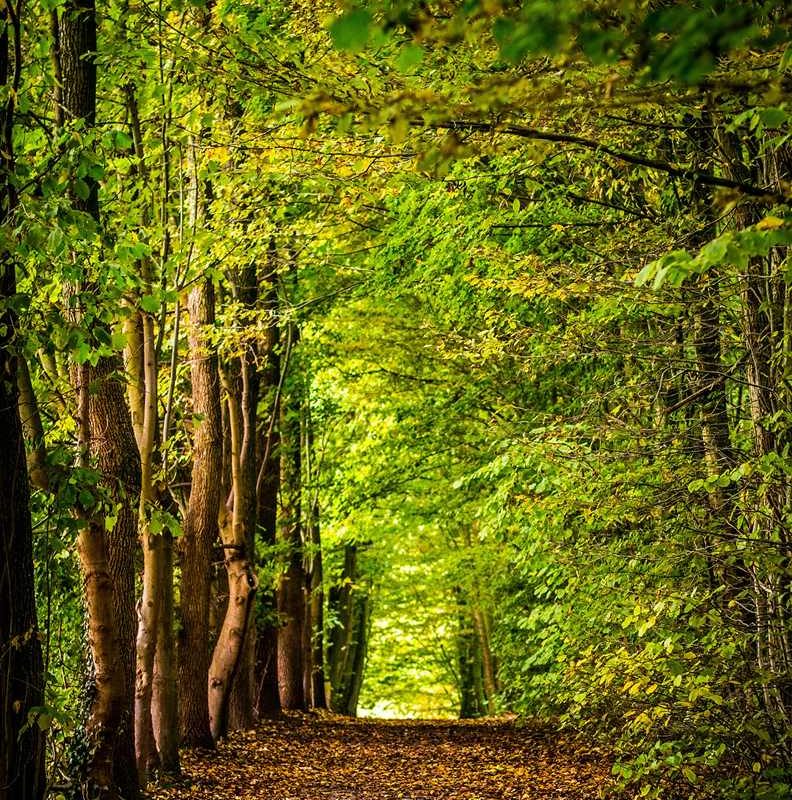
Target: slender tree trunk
471, 699
157, 744
291, 591
488, 672
763, 295
349, 603
242, 582
267, 693
314, 607
111, 440
151, 619
267, 490
32, 427
201, 520
164, 707
21, 669
243, 694
315, 615
358, 664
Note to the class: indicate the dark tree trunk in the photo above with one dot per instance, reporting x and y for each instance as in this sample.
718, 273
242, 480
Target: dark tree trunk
291, 591
21, 678
267, 694
267, 490
471, 694
21, 668
350, 604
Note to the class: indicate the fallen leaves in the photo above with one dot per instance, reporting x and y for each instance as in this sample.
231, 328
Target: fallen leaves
313, 757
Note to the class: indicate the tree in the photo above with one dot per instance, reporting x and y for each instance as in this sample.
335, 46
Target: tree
21, 668
105, 434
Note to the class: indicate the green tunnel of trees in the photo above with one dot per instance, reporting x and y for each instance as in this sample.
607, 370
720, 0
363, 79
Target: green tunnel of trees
396, 358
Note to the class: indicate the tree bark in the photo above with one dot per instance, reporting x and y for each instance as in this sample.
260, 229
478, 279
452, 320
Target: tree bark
291, 591
267, 490
346, 653
21, 668
111, 441
243, 694
164, 707
242, 579
471, 700
314, 607
200, 529
764, 290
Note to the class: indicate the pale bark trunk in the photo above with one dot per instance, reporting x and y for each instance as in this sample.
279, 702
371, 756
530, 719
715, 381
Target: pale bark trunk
242, 585
150, 609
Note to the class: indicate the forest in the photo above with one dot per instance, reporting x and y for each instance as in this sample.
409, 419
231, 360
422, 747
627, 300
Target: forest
395, 399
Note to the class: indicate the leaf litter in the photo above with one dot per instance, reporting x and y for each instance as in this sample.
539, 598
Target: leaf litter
325, 757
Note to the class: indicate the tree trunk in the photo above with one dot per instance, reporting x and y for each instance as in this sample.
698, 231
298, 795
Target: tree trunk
349, 603
267, 692
488, 672
200, 529
471, 700
242, 583
151, 614
243, 693
314, 607
763, 296
267, 490
291, 590
111, 440
21, 669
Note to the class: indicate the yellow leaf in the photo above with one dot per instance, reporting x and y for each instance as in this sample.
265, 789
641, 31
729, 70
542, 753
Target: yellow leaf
769, 223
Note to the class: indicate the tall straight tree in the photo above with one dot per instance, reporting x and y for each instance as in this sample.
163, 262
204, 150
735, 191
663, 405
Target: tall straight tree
267, 486
201, 520
313, 633
21, 668
246, 293
350, 604
106, 436
291, 590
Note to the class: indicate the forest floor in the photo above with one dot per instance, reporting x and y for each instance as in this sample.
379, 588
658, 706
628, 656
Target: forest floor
307, 757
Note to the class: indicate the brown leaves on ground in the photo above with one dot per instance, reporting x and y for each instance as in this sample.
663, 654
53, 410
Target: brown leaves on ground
304, 757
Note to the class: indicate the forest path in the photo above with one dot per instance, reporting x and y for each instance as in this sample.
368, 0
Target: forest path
306, 757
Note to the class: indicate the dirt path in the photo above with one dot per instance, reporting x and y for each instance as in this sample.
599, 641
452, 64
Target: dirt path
328, 758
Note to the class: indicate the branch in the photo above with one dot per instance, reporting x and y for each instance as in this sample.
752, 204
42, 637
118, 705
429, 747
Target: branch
705, 178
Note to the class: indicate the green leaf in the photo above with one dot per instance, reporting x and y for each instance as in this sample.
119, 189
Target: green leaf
81, 189
409, 58
773, 117
149, 303
123, 141
350, 32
